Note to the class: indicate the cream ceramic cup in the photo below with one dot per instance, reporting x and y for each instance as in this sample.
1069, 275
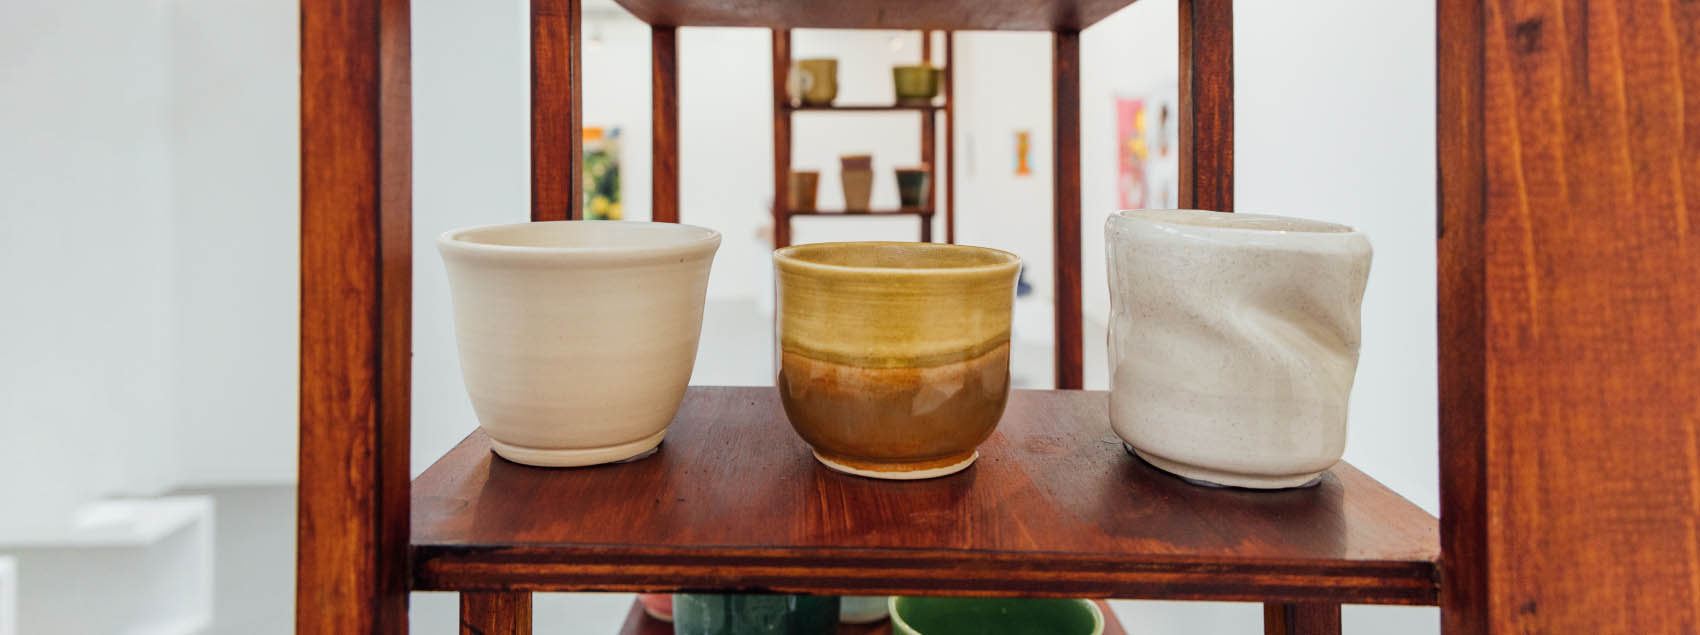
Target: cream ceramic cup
1233, 342
577, 338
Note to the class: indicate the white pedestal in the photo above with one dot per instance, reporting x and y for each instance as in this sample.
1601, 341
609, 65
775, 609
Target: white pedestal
134, 566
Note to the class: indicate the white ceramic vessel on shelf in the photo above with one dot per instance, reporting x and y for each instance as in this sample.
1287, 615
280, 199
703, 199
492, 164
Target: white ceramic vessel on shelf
577, 338
1233, 342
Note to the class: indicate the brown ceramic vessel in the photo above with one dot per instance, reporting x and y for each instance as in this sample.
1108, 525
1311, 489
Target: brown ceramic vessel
894, 358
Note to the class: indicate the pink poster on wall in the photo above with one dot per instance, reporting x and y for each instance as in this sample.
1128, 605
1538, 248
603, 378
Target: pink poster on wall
1131, 153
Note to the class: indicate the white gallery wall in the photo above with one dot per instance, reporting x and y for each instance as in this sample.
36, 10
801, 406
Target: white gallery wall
88, 322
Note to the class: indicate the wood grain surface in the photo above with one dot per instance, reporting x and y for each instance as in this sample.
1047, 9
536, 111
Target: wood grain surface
971, 15
781, 138
735, 501
495, 613
1207, 104
1065, 209
664, 153
356, 284
1569, 144
1305, 618
557, 128
640, 623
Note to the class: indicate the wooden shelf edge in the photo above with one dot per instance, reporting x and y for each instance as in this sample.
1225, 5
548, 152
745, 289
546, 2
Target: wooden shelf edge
877, 212
640, 623
853, 571
869, 108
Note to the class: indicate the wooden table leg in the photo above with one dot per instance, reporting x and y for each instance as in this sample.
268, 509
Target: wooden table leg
495, 613
1310, 618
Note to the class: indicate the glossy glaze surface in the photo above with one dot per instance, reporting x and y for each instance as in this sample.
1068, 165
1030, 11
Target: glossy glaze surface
894, 357
917, 83
816, 81
1233, 342
577, 338
754, 614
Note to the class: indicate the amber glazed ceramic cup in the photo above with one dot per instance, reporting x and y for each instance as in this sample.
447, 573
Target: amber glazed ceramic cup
577, 337
894, 357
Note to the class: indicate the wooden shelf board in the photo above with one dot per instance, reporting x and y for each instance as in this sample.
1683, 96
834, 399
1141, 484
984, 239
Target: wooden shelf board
869, 108
872, 212
968, 15
640, 623
1054, 507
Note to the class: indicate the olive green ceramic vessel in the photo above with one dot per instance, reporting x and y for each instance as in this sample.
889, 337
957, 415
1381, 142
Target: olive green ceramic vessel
894, 357
994, 616
917, 84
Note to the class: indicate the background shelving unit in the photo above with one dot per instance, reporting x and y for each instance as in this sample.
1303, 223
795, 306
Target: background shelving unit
784, 110
1567, 320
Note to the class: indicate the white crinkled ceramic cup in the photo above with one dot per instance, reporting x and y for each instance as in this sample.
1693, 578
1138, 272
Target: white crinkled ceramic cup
577, 338
1233, 342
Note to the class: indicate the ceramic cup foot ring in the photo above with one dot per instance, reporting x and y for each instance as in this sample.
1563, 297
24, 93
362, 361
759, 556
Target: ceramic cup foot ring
579, 457
901, 471
1216, 478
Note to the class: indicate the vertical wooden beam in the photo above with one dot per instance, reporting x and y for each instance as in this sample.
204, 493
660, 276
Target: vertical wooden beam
495, 613
1308, 618
1065, 192
1207, 104
781, 139
949, 139
664, 91
557, 129
1568, 140
1462, 335
356, 317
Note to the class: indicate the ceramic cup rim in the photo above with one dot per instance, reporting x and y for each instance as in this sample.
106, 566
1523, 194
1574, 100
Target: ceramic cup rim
786, 257
898, 621
683, 240
1235, 222
1240, 230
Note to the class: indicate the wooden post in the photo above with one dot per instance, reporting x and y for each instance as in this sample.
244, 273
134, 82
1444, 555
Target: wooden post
1065, 192
1568, 141
1207, 104
557, 151
356, 320
781, 139
1308, 618
949, 140
495, 613
664, 156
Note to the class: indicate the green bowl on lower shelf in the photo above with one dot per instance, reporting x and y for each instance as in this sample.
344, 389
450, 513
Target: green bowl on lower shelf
754, 614
994, 616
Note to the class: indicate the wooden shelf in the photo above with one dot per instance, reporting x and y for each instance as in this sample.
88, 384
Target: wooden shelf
974, 15
869, 108
871, 212
1054, 507
640, 623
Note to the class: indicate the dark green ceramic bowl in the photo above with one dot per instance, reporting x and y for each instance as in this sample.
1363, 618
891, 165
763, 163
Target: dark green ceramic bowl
994, 616
754, 614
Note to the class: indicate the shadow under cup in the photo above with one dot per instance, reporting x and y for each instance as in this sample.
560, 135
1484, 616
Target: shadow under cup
894, 359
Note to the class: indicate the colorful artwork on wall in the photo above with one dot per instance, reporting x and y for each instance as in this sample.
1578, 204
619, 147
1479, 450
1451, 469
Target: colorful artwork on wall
602, 174
1023, 147
1147, 141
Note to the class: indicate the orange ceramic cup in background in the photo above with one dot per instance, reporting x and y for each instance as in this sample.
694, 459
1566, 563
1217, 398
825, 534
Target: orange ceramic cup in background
894, 358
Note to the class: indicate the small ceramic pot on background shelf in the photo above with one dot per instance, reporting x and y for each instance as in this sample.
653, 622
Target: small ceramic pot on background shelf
917, 84
805, 185
813, 82
913, 187
754, 614
577, 338
894, 357
994, 616
1233, 342
857, 175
